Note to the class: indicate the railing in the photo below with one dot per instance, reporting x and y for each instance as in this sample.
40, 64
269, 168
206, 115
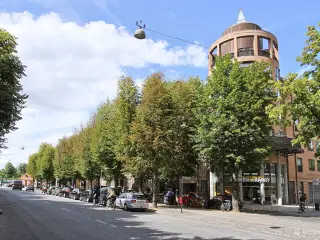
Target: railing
264, 52
243, 52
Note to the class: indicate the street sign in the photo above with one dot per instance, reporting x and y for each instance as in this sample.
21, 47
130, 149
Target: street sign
316, 181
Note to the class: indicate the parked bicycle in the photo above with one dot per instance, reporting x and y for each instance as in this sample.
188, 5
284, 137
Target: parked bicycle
226, 206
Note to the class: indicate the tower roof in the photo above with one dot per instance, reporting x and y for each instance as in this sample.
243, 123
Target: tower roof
241, 18
241, 25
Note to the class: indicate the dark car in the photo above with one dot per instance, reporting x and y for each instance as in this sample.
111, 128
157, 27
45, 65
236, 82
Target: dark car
17, 185
104, 194
217, 201
65, 192
87, 195
75, 194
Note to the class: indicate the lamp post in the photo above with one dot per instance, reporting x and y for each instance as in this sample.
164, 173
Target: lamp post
141, 34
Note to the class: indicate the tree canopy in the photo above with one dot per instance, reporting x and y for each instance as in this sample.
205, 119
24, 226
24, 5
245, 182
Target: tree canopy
234, 130
12, 100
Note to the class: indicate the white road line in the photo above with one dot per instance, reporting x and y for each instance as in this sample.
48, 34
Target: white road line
46, 202
102, 222
67, 209
106, 223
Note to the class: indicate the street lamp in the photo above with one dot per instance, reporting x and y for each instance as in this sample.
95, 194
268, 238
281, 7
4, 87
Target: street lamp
141, 34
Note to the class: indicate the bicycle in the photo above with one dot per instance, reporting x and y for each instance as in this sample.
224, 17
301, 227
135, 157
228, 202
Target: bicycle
302, 207
112, 204
226, 206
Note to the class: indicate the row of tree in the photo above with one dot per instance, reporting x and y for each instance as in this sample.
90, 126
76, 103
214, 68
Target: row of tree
11, 172
168, 128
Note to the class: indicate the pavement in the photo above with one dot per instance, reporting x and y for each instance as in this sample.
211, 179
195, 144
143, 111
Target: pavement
37, 216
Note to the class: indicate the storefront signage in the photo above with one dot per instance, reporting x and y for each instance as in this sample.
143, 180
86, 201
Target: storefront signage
258, 179
316, 181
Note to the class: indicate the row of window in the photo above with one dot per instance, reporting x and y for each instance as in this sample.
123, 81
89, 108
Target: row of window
312, 165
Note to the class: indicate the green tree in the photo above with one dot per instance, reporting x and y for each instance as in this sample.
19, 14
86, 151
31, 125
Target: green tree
126, 103
184, 158
234, 129
85, 164
33, 166
151, 132
12, 100
10, 170
64, 160
21, 169
46, 156
103, 141
300, 94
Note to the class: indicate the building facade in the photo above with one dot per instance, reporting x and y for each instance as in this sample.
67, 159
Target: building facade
289, 171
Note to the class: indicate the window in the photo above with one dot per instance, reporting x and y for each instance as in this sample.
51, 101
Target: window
299, 165
312, 166
318, 165
310, 146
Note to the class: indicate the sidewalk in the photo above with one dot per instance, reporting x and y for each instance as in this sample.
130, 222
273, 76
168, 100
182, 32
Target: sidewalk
276, 210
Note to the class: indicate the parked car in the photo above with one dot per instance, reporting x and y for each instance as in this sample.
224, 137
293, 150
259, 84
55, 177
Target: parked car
75, 194
130, 201
65, 192
56, 191
17, 185
217, 201
87, 195
29, 188
50, 190
193, 200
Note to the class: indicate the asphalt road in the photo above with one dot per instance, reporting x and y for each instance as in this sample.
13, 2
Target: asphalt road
37, 216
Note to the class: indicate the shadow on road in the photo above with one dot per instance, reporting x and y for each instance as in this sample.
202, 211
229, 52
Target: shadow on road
24, 217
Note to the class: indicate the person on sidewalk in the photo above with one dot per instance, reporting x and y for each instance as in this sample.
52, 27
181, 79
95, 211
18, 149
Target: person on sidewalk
303, 200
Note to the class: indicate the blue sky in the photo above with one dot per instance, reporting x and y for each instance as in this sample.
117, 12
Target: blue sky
201, 21
74, 60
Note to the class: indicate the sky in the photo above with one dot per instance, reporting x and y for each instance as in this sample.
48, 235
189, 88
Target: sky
76, 50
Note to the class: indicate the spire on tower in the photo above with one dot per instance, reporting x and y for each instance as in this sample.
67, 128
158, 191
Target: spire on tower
241, 18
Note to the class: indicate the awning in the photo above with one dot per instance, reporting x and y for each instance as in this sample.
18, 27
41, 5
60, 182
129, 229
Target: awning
282, 145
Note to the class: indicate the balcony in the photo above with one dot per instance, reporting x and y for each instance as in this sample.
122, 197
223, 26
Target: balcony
264, 52
243, 52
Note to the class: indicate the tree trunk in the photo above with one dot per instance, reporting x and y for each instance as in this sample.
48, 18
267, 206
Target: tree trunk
235, 196
154, 190
116, 181
91, 183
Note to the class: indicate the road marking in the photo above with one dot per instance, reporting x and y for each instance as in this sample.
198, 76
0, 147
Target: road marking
67, 209
102, 222
46, 202
106, 223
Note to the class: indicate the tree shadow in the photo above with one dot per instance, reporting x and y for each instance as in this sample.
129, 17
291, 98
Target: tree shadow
103, 224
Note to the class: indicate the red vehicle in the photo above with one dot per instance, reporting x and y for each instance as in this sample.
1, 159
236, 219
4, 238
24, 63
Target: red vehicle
193, 200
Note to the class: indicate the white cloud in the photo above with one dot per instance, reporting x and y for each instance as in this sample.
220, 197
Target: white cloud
72, 68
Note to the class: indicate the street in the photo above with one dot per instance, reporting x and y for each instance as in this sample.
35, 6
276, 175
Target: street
37, 216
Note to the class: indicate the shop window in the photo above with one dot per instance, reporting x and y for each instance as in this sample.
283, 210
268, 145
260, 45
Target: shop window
312, 166
299, 165
318, 165
310, 146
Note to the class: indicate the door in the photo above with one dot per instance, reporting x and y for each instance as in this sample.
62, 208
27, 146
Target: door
292, 198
